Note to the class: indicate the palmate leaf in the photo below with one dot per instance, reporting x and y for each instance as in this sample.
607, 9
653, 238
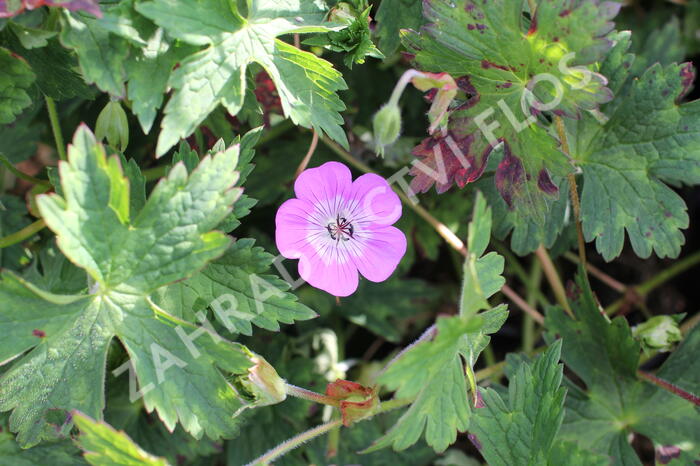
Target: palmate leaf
434, 371
522, 429
394, 15
498, 59
61, 453
649, 141
15, 80
616, 403
243, 293
101, 55
307, 85
105, 446
128, 254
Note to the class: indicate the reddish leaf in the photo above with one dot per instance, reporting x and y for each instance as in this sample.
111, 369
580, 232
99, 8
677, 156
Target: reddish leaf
444, 160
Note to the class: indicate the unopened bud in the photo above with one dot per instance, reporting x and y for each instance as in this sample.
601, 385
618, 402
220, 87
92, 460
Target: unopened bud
387, 126
113, 125
263, 383
658, 333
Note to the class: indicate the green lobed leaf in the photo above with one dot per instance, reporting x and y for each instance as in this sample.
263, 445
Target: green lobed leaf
101, 55
63, 453
242, 291
104, 446
482, 274
16, 79
615, 403
394, 15
13, 217
432, 372
521, 429
496, 58
649, 142
216, 75
128, 255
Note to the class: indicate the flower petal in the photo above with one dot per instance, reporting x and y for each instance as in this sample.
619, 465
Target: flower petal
380, 253
329, 268
327, 182
374, 200
293, 227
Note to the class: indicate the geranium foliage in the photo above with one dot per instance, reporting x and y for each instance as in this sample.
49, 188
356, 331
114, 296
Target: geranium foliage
420, 232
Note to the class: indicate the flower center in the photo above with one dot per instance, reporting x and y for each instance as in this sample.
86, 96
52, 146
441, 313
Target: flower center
341, 229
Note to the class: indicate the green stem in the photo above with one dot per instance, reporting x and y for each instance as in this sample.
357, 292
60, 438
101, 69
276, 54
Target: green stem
24, 233
305, 394
56, 128
333, 441
22, 175
659, 279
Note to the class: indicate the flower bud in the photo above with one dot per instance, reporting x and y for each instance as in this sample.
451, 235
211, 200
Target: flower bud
658, 333
387, 126
263, 383
113, 125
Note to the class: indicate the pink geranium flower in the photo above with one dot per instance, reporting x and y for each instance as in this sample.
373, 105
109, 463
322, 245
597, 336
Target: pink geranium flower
337, 227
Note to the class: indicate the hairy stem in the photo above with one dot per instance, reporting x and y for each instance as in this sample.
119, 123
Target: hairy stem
573, 189
550, 271
309, 395
56, 128
386, 406
401, 85
295, 442
442, 229
23, 234
669, 387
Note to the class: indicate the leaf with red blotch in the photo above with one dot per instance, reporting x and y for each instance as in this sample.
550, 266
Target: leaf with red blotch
444, 160
506, 65
10, 8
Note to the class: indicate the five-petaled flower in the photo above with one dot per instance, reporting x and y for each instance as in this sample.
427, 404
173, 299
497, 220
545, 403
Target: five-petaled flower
337, 227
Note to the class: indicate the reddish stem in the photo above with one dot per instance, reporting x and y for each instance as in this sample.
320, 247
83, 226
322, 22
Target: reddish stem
668, 386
